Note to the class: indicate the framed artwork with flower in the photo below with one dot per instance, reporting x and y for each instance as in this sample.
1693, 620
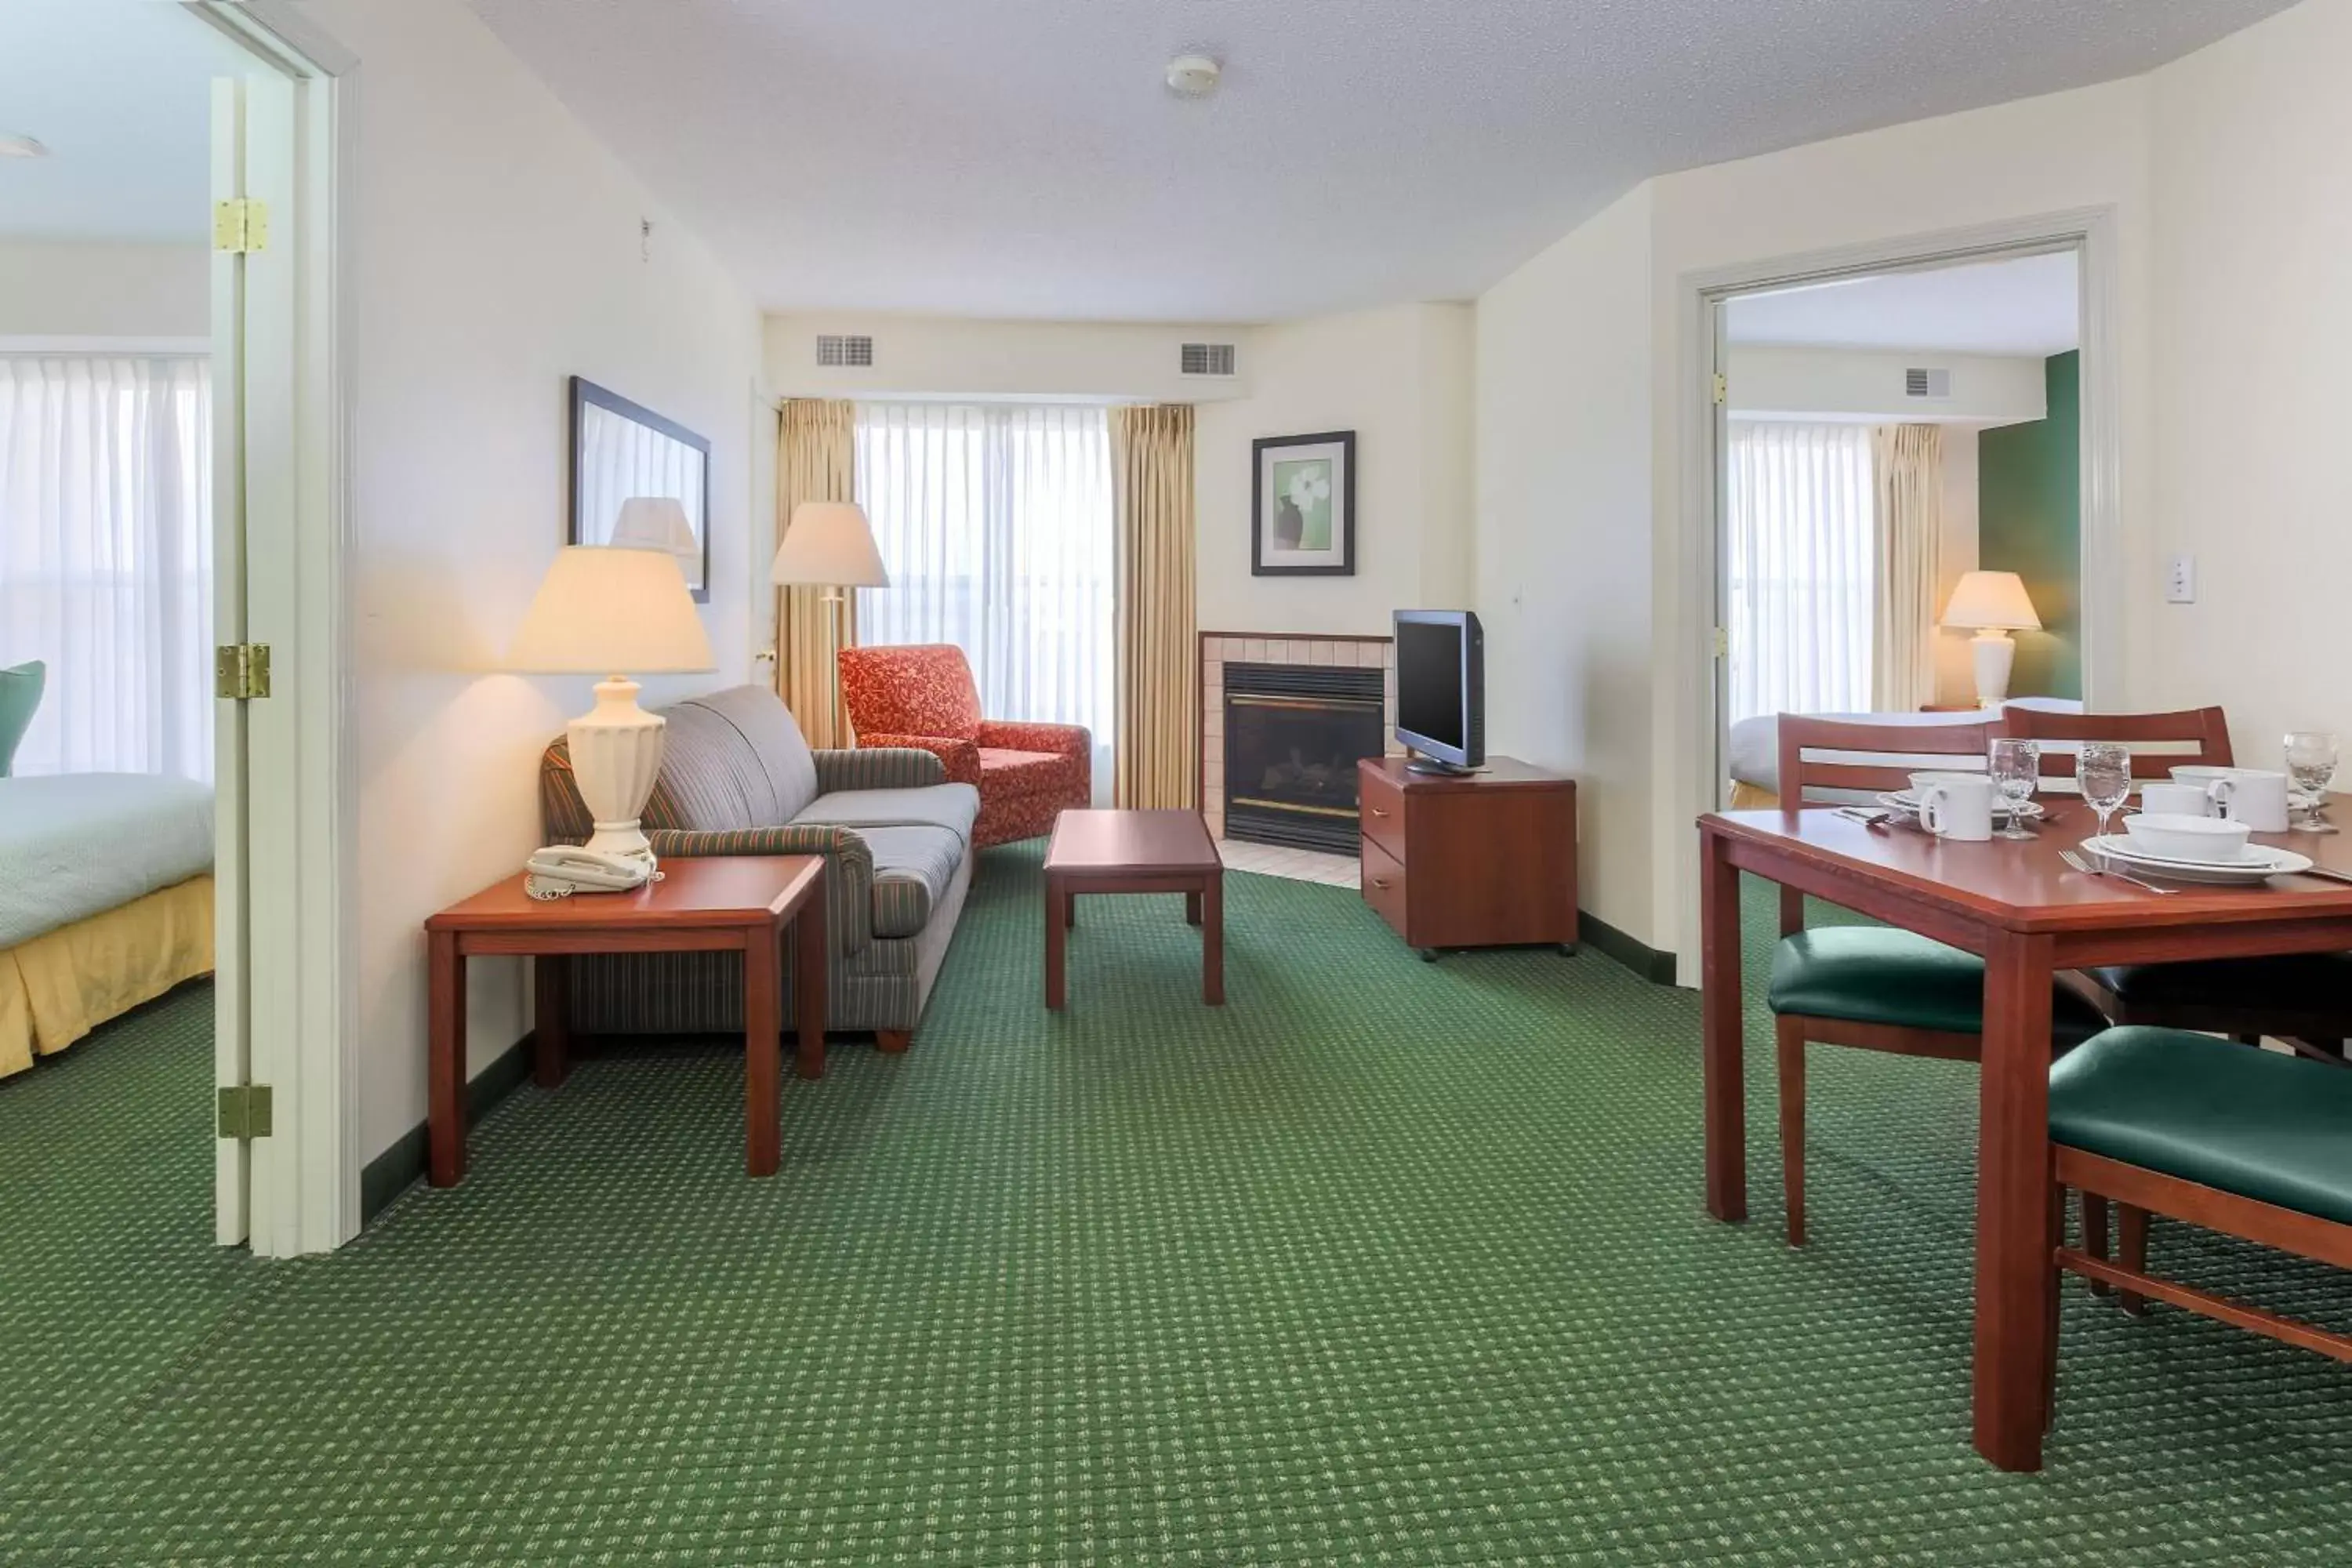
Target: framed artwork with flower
1303, 506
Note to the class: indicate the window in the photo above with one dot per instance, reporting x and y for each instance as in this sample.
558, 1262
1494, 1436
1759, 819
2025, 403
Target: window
106, 558
1802, 572
995, 521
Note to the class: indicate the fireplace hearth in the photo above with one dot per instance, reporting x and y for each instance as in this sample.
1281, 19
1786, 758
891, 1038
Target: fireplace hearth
1293, 736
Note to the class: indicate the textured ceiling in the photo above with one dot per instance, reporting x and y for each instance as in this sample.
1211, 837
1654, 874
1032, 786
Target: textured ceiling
2032, 306
1022, 157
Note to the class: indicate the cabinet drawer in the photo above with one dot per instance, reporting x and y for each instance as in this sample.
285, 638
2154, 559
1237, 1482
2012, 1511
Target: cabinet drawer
1383, 877
1379, 812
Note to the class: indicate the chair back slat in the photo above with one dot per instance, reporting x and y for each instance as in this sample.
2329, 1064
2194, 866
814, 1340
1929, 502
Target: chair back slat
2194, 737
1849, 756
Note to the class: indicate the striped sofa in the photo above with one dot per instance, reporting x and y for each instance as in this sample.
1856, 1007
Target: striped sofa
738, 779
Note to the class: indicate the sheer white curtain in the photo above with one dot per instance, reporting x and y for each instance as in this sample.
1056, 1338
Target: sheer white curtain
106, 558
1803, 520
996, 522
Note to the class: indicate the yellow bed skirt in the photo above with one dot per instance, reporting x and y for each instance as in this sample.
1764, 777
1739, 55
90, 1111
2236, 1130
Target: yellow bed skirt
59, 987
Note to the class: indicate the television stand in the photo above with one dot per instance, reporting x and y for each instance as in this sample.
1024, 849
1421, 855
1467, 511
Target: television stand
1453, 859
1437, 767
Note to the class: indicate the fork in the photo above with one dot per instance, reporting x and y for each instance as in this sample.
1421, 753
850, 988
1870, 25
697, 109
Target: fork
2088, 868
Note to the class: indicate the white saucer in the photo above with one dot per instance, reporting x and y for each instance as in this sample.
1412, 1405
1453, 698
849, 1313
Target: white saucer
2261, 861
1907, 802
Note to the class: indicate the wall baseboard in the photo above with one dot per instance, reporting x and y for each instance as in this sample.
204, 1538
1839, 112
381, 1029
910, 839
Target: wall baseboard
1656, 967
392, 1173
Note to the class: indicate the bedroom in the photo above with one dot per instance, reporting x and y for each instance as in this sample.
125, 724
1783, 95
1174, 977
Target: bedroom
107, 535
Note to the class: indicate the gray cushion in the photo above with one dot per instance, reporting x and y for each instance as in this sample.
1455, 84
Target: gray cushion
912, 869
954, 807
735, 759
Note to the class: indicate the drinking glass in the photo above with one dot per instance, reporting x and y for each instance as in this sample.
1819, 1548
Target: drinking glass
2105, 770
2017, 769
2310, 766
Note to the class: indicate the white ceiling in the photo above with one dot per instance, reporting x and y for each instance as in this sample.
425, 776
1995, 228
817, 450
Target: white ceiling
1022, 157
119, 92
2032, 306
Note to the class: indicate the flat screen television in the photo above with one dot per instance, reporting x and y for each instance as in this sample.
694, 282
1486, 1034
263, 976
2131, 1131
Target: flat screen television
1441, 713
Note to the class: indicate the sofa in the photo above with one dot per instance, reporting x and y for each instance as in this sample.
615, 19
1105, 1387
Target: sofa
738, 779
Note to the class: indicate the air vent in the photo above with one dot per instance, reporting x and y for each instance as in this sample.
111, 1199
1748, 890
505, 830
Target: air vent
1208, 358
1928, 384
835, 349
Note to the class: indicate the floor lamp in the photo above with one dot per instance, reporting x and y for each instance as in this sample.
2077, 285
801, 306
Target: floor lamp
828, 544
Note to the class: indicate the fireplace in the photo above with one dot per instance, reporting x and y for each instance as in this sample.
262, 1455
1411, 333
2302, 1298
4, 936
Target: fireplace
1293, 736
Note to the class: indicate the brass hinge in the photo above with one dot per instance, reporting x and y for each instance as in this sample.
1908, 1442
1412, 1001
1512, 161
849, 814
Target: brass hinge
1722, 393
245, 1112
1722, 643
241, 223
241, 670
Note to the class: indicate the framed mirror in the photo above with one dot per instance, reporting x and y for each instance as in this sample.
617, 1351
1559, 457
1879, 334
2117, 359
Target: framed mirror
621, 453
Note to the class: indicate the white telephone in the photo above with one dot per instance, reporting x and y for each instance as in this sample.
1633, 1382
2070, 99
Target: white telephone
562, 869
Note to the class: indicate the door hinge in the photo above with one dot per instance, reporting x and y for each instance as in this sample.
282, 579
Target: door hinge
245, 1112
1722, 643
241, 670
241, 223
1720, 389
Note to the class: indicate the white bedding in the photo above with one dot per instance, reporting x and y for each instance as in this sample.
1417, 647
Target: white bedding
77, 845
1754, 751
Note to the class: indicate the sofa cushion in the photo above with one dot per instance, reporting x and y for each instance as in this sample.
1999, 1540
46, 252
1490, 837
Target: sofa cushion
2257, 1123
915, 689
731, 759
1874, 974
912, 869
952, 807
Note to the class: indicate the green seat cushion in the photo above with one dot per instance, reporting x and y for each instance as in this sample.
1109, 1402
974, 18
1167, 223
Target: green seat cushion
20, 696
1876, 975
2290, 983
2262, 1125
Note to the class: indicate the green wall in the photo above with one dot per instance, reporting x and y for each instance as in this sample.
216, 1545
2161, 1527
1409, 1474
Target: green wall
2029, 522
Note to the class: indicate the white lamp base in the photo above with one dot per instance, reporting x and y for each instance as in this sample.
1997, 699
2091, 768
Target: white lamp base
616, 752
1994, 654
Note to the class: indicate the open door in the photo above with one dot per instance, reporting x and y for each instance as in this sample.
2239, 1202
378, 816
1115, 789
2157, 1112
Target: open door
1718, 329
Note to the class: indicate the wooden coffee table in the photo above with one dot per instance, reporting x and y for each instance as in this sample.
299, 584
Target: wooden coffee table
1135, 852
721, 903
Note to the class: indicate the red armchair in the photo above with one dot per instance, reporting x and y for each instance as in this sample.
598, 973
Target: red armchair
922, 696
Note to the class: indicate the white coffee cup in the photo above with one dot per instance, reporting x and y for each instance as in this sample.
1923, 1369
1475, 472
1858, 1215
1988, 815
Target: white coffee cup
1958, 806
2176, 800
2255, 796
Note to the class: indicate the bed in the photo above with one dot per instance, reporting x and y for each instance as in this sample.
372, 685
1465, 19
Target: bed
1754, 757
106, 901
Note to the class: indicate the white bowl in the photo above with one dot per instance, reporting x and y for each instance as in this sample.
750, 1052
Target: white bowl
2176, 836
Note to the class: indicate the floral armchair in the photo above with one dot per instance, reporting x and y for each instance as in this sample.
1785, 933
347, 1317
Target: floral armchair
922, 696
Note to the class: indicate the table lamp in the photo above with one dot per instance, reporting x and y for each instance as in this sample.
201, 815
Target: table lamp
1993, 604
601, 610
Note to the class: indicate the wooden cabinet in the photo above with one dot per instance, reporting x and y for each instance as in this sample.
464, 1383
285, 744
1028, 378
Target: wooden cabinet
1485, 860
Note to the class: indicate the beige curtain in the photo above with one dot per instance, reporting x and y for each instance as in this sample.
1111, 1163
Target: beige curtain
1908, 462
815, 460
1156, 711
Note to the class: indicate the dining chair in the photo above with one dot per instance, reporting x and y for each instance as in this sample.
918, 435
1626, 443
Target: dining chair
2304, 999
1874, 987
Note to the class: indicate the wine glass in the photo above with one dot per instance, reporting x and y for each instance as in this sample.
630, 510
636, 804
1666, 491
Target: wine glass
2310, 766
2016, 770
2105, 770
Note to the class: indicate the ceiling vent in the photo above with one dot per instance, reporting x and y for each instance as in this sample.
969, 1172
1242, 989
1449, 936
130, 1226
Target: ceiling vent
840, 350
1208, 358
1928, 384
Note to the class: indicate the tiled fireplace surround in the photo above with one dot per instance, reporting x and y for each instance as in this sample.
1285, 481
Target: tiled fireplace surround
1276, 647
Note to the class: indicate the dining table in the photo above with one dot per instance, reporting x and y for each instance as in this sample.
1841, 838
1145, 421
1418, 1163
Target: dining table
2031, 916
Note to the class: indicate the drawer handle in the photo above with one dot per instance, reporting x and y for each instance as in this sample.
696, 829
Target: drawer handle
1378, 812
1381, 883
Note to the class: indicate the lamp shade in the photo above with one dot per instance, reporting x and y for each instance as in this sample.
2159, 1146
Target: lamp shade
1992, 600
828, 544
654, 522
606, 611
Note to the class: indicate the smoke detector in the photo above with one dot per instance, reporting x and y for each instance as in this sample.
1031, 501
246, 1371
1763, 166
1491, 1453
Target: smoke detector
1193, 75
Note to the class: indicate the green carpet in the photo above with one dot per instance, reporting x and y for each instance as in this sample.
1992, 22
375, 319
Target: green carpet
1382, 1264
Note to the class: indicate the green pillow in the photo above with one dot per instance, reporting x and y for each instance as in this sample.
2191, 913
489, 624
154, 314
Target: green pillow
20, 694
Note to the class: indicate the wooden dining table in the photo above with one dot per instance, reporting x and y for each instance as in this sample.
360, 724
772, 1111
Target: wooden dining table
2030, 916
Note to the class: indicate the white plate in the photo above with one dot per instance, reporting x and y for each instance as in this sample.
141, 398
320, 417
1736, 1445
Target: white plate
2261, 861
1907, 802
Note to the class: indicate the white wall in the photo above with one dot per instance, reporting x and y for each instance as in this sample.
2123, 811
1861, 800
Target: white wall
1401, 379
1848, 385
2253, 329
496, 253
104, 290
937, 356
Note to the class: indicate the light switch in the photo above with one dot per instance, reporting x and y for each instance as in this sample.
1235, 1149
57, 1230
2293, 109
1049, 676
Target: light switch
2180, 580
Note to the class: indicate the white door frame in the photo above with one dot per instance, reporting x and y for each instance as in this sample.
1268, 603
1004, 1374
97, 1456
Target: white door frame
2091, 233
291, 851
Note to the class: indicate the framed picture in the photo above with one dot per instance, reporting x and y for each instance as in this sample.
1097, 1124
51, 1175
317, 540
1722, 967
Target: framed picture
627, 464
1303, 506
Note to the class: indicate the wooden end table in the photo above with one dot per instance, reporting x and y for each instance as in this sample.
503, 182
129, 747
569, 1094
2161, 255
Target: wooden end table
1160, 851
726, 903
